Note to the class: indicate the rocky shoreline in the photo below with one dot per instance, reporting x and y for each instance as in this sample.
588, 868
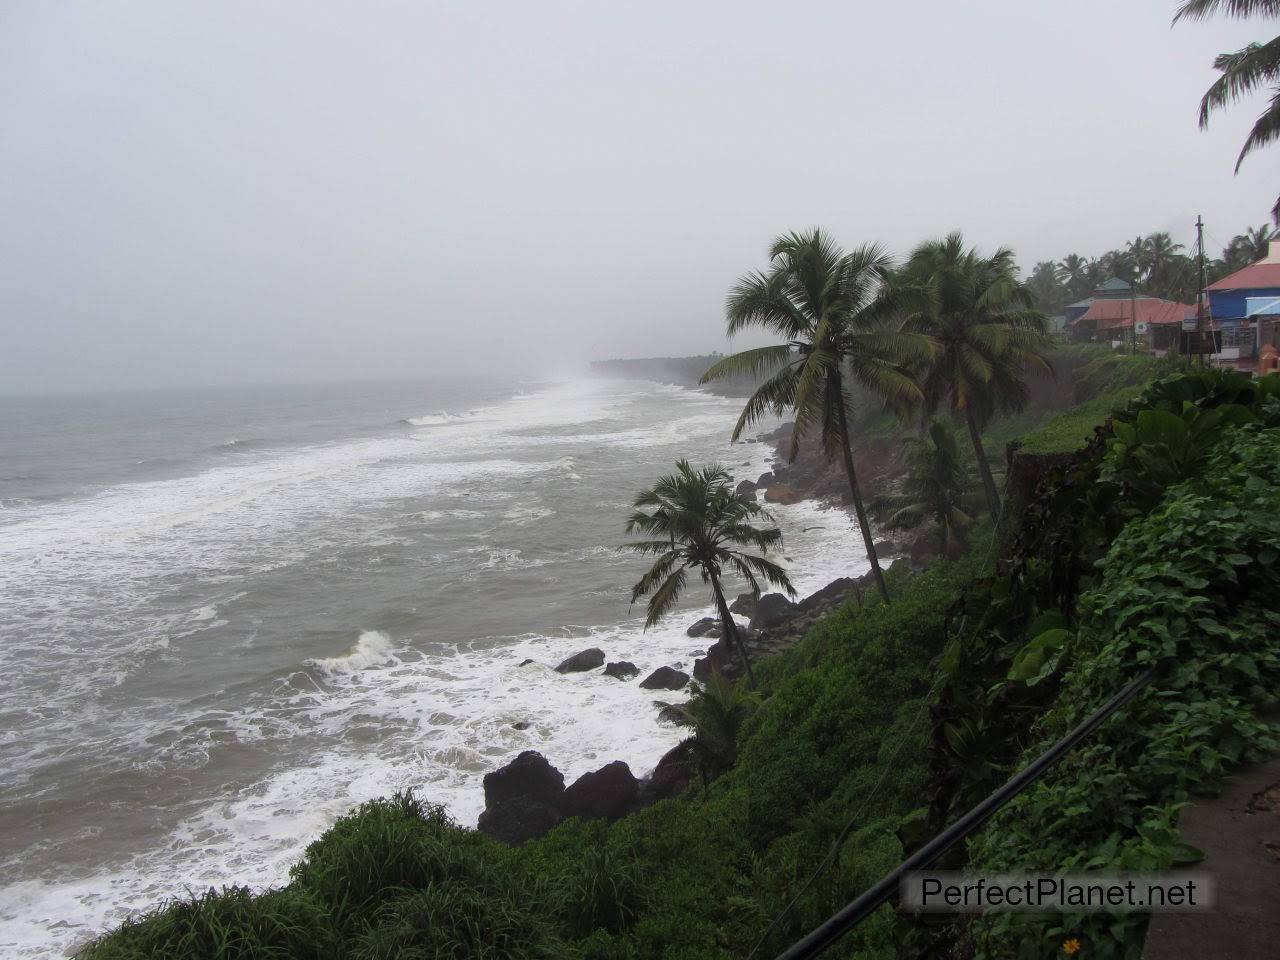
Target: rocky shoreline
527, 797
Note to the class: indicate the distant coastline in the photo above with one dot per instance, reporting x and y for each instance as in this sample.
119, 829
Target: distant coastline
681, 371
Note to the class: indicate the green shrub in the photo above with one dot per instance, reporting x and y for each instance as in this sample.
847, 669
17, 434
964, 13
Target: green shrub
390, 845
1190, 587
456, 920
227, 924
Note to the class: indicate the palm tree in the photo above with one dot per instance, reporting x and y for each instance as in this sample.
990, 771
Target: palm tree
694, 521
834, 310
988, 332
1076, 269
1138, 255
935, 489
716, 712
1045, 284
1243, 71
1249, 247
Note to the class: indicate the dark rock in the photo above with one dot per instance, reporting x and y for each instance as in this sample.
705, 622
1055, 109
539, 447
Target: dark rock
528, 775
702, 627
765, 479
525, 663
745, 604
882, 547
583, 660
669, 712
665, 678
830, 596
672, 775
783, 493
746, 490
603, 794
518, 820
771, 610
902, 564
521, 725
721, 658
622, 670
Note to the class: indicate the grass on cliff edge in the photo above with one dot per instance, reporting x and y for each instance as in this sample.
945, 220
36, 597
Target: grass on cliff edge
842, 729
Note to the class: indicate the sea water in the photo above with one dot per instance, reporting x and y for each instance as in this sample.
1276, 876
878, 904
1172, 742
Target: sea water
229, 615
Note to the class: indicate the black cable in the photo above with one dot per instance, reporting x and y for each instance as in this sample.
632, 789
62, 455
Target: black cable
836, 926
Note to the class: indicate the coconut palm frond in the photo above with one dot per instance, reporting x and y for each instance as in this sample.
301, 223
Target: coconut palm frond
748, 363
1202, 9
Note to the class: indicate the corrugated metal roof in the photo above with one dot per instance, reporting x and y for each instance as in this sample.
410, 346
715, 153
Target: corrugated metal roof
1256, 276
1107, 314
1115, 283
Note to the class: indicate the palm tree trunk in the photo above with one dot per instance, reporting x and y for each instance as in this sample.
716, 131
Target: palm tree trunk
858, 507
984, 468
731, 629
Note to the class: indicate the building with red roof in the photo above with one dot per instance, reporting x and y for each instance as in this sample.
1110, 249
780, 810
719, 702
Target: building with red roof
1245, 307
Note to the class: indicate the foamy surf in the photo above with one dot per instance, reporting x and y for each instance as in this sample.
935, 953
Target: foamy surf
201, 650
373, 649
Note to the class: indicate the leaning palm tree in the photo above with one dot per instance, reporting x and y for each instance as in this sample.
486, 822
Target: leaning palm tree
1253, 67
936, 488
988, 333
694, 521
836, 312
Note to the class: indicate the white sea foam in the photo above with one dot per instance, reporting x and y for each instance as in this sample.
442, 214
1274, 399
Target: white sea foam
397, 710
373, 649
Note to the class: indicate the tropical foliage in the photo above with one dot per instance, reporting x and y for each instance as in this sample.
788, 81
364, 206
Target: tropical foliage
716, 712
935, 490
692, 520
1154, 264
1113, 572
836, 313
988, 333
1247, 70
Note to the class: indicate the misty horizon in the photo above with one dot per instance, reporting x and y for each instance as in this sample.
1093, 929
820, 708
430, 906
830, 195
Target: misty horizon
397, 192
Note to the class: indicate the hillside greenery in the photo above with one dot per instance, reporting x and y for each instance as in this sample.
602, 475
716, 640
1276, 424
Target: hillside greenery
1157, 543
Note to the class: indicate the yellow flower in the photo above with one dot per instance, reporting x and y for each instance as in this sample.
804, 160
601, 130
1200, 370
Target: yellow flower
1071, 947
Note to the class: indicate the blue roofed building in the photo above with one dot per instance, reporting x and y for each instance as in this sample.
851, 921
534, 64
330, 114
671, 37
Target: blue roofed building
1245, 310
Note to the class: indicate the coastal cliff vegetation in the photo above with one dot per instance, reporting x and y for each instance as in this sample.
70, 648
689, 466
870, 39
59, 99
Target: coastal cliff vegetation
1147, 532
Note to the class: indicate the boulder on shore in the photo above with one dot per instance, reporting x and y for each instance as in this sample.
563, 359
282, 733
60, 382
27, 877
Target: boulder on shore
771, 610
665, 678
529, 775
765, 479
746, 490
518, 821
745, 604
622, 670
604, 794
703, 627
590, 659
830, 596
783, 493
883, 546
671, 776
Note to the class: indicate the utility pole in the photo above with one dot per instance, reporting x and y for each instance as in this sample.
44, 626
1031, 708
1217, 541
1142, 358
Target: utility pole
1201, 323
1133, 307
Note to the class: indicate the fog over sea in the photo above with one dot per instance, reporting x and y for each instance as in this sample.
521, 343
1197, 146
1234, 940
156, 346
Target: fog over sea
229, 615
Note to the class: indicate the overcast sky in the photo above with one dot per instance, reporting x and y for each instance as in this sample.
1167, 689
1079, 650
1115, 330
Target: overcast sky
224, 192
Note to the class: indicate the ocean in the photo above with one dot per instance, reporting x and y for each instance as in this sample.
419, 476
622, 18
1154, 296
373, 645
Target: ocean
229, 615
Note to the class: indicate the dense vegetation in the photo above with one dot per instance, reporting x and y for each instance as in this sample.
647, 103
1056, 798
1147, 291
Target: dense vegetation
1158, 543
1155, 264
